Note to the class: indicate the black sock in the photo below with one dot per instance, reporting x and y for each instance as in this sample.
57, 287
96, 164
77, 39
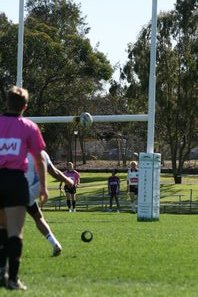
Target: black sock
117, 202
15, 245
74, 204
68, 203
111, 202
3, 244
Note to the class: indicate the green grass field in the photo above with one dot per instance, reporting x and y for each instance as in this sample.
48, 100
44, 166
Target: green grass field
125, 258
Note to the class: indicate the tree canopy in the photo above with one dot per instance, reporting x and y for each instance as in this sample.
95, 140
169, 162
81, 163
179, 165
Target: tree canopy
61, 70
176, 72
65, 76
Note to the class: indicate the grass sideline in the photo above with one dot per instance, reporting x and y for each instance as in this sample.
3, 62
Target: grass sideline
126, 258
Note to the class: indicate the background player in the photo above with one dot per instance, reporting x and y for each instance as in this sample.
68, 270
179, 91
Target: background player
132, 184
70, 192
114, 189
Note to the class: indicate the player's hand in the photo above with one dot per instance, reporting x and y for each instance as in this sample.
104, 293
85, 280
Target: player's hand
43, 195
69, 182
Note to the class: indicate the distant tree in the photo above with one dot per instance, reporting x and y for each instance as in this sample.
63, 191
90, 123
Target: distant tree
61, 69
177, 106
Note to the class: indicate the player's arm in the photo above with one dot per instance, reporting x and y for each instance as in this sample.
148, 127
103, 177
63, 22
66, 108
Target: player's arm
59, 175
41, 167
76, 178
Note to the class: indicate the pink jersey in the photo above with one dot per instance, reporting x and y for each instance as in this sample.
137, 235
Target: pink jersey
74, 175
18, 136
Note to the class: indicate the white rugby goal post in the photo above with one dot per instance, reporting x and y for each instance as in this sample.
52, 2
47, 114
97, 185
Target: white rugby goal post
149, 162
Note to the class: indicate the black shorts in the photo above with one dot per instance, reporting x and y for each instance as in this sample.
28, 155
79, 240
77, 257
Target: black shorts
133, 189
70, 190
33, 209
13, 188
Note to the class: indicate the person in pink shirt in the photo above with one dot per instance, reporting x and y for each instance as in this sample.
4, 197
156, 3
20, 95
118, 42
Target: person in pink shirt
18, 136
70, 192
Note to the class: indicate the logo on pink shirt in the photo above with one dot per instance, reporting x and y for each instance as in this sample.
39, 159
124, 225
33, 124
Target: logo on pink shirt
10, 146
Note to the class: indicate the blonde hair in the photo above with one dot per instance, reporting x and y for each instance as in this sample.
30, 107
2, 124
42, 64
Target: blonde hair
134, 163
70, 164
17, 98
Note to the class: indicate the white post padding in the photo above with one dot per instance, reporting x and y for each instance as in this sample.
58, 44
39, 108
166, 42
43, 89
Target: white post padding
150, 162
149, 186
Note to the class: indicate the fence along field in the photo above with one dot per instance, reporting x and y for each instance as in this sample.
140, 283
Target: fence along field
92, 194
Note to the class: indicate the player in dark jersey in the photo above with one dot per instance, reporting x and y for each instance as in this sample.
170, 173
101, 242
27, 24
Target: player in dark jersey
114, 189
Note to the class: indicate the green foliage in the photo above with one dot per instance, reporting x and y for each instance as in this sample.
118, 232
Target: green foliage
64, 73
61, 70
176, 72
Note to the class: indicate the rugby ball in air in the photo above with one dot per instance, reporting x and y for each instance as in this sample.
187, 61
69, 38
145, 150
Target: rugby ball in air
86, 120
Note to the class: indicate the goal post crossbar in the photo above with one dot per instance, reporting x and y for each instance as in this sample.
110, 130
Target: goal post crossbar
96, 118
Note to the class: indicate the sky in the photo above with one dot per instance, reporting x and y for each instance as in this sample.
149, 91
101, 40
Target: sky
113, 23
